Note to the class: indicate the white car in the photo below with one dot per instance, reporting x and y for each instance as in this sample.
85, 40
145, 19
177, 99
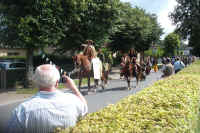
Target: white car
12, 65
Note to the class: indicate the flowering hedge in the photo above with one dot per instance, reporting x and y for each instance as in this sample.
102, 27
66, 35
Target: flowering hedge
170, 105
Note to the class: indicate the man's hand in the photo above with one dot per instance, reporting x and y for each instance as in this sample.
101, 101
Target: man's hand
71, 85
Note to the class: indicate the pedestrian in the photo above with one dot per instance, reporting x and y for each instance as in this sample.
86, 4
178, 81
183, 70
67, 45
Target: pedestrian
178, 65
101, 56
155, 64
168, 68
49, 108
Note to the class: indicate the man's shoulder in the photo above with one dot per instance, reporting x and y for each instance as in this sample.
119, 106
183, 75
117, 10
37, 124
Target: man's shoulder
39, 101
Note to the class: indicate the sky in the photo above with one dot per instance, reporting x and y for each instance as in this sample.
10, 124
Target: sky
161, 8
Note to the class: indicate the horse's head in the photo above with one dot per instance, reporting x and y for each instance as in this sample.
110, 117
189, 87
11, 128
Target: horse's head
90, 51
127, 59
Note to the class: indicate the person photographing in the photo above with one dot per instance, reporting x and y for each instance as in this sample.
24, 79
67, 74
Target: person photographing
49, 108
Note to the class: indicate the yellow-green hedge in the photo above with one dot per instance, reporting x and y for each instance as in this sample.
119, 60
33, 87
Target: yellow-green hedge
170, 105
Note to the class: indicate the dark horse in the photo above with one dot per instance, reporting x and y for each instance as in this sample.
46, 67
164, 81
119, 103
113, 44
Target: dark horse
84, 67
130, 69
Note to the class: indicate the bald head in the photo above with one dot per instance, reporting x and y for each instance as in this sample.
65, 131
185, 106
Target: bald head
46, 76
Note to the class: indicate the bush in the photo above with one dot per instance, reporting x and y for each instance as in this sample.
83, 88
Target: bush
170, 105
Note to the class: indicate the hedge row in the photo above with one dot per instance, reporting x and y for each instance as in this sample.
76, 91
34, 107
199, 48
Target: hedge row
171, 105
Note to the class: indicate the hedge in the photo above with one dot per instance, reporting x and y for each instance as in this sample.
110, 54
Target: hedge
170, 105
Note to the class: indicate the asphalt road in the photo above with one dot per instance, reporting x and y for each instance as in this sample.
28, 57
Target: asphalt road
115, 90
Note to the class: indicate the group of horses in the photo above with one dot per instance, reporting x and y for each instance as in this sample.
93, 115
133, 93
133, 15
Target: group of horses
130, 69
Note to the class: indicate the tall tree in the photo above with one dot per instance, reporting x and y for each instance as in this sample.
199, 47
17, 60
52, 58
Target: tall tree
135, 28
31, 24
95, 19
64, 24
171, 44
186, 16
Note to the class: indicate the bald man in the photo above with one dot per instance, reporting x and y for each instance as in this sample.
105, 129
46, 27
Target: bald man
49, 108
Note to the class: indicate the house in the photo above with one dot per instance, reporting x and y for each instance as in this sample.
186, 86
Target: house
186, 50
12, 52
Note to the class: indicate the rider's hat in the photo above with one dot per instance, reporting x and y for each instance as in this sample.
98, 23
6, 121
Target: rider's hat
89, 41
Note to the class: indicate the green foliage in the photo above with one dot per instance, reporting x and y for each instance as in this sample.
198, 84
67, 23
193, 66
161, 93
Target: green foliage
108, 55
63, 24
93, 19
17, 58
26, 90
168, 106
171, 44
158, 53
186, 16
135, 28
31, 24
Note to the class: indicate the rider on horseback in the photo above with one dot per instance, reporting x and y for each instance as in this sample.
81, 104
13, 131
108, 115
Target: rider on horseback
89, 50
96, 64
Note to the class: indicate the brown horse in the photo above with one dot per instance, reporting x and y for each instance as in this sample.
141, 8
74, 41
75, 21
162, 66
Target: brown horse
83, 64
130, 69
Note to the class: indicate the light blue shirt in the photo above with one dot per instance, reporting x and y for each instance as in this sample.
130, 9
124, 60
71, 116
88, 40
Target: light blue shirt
178, 65
45, 111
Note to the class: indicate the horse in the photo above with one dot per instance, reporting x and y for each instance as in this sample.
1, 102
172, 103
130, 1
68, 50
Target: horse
84, 68
130, 69
148, 69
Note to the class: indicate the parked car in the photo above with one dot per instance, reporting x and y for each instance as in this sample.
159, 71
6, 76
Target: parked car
12, 65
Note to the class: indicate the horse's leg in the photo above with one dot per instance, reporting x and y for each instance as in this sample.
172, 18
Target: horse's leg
80, 81
103, 80
89, 87
128, 82
137, 78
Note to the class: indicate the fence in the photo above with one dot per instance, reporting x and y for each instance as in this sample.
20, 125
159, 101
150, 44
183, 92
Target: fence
3, 79
9, 78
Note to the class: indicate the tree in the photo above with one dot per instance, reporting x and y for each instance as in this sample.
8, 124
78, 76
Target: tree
31, 24
171, 44
64, 24
135, 28
95, 21
187, 17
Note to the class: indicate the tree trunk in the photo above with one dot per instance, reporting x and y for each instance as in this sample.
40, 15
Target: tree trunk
142, 56
29, 68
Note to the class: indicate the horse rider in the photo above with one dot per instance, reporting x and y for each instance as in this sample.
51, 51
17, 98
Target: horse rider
101, 56
96, 63
123, 64
132, 53
133, 56
89, 50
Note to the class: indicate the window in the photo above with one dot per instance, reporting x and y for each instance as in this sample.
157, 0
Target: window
17, 65
13, 53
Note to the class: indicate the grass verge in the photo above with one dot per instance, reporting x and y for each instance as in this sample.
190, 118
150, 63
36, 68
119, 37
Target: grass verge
61, 86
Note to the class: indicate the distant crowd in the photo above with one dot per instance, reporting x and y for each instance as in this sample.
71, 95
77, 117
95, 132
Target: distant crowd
175, 64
